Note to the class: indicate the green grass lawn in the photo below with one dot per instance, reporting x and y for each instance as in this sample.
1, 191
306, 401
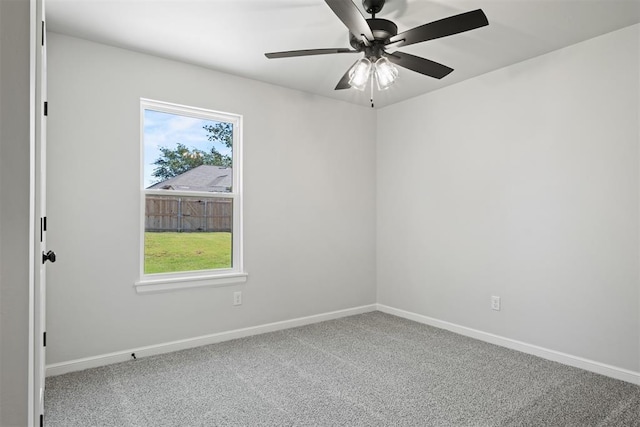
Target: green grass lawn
167, 252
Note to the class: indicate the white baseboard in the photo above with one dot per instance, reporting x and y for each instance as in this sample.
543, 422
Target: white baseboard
123, 356
556, 356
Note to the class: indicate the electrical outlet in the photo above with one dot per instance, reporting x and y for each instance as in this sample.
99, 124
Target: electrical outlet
237, 298
495, 303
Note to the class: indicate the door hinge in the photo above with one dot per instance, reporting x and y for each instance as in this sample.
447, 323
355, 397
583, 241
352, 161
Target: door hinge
42, 41
41, 420
43, 227
46, 108
44, 339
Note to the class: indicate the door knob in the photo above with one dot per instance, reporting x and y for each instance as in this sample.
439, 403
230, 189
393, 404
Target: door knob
49, 256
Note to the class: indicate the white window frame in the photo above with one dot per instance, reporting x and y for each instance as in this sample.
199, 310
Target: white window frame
160, 282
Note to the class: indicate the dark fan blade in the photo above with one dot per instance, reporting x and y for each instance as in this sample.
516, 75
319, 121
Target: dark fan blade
344, 81
308, 52
442, 28
351, 17
419, 65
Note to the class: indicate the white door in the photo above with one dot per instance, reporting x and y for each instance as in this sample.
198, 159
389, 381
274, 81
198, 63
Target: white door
42, 254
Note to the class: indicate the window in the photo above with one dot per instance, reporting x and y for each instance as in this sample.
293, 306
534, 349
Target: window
191, 197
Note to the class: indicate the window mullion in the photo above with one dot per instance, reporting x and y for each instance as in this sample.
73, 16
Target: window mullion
189, 193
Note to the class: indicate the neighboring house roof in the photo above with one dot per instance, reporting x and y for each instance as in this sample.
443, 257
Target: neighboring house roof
203, 178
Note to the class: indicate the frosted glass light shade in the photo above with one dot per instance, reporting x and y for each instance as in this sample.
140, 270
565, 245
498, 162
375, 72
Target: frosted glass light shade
359, 74
386, 73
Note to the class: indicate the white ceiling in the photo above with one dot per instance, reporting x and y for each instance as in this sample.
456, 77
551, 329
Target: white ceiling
232, 35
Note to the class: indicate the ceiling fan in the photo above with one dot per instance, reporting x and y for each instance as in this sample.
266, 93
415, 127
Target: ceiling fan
376, 37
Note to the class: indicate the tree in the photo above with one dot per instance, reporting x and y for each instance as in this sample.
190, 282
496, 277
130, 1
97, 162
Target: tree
176, 161
220, 132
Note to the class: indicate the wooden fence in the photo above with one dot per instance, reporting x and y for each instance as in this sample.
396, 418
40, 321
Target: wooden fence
188, 214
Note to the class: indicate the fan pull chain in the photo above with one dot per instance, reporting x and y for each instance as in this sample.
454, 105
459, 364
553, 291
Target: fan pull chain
371, 97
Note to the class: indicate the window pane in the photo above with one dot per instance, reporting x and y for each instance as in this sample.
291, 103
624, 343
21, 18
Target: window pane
187, 153
187, 233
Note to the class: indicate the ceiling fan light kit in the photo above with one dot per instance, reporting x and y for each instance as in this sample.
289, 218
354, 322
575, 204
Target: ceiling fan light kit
359, 73
373, 36
386, 73
382, 70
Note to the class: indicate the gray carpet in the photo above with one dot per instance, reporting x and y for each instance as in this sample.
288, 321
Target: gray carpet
366, 370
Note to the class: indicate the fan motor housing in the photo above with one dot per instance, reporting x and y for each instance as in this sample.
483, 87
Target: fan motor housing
382, 30
373, 6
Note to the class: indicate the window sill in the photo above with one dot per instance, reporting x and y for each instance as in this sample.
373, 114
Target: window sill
164, 284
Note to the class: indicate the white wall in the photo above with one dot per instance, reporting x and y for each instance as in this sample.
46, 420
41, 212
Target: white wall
14, 211
309, 202
521, 183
